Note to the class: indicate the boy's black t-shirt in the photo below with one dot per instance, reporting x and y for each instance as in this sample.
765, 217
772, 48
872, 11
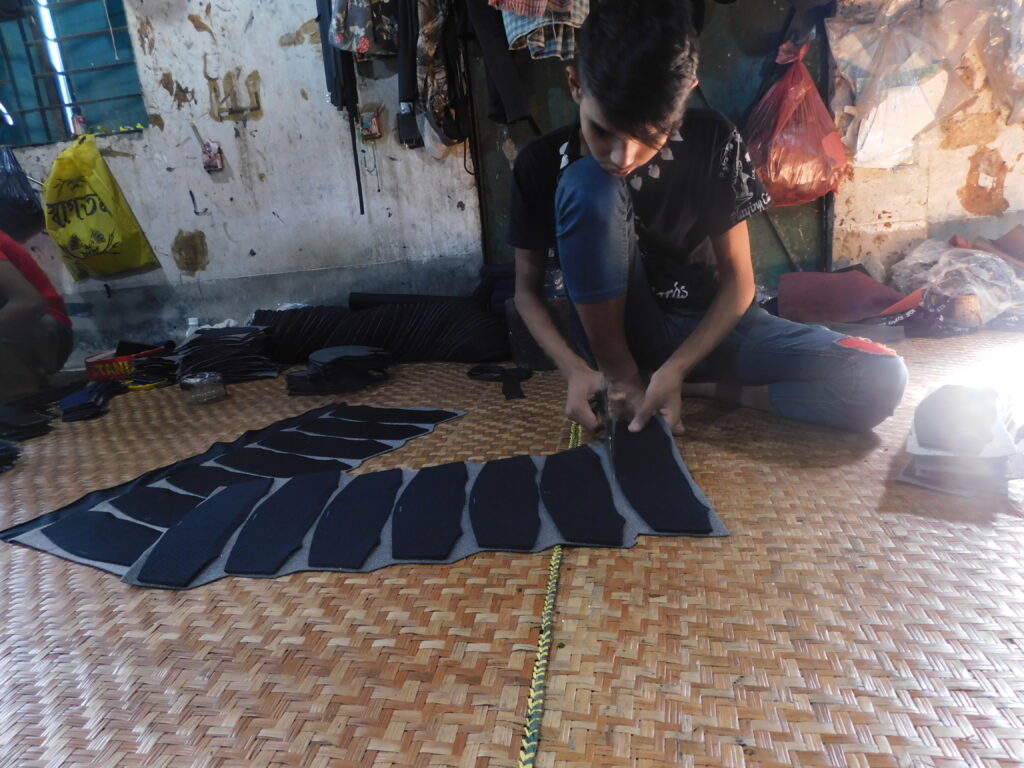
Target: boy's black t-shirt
701, 184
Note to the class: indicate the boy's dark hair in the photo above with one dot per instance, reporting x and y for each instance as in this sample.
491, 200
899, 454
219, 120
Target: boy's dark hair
638, 60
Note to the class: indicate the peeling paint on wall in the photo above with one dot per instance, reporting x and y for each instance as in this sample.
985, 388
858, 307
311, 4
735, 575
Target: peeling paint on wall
111, 152
190, 251
970, 130
224, 102
200, 25
984, 191
155, 120
178, 92
304, 93
147, 37
310, 30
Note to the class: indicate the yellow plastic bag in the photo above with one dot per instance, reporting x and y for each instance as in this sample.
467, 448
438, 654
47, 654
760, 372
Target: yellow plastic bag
89, 219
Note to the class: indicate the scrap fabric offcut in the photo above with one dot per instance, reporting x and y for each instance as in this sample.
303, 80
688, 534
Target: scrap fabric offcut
280, 500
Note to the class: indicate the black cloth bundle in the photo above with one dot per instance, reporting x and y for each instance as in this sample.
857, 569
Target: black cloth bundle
21, 424
9, 452
337, 370
91, 400
447, 330
237, 354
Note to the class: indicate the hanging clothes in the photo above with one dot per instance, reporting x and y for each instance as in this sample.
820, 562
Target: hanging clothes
441, 71
366, 28
552, 35
507, 100
530, 7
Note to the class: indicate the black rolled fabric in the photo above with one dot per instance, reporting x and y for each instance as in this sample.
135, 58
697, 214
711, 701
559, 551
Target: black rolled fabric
357, 430
504, 504
101, 536
427, 519
184, 550
204, 480
456, 330
279, 524
391, 415
275, 464
350, 527
156, 506
576, 493
326, 447
668, 505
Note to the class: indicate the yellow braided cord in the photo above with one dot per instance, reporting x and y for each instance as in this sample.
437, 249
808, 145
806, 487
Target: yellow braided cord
535, 703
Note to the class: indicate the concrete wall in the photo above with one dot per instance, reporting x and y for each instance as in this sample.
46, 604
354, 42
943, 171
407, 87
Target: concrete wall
281, 223
968, 178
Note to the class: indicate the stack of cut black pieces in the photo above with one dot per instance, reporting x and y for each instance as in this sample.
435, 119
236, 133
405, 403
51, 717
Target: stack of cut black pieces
237, 354
280, 500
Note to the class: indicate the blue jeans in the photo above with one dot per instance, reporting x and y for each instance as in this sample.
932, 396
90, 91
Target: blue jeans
812, 373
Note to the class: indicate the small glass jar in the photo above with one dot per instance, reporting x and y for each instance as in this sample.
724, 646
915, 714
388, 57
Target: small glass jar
204, 387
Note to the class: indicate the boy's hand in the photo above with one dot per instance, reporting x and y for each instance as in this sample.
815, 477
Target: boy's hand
665, 395
584, 384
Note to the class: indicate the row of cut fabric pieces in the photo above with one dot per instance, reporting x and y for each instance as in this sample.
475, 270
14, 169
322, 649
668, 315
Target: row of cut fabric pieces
546, 28
279, 500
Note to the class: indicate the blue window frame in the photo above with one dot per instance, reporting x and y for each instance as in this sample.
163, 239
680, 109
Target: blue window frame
66, 67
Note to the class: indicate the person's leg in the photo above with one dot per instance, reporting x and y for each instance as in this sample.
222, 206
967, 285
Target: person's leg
600, 261
803, 372
26, 362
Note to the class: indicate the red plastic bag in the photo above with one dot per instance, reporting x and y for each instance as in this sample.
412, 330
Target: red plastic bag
792, 137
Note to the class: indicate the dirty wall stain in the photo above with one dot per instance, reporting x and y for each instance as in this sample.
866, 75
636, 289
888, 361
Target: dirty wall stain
224, 103
190, 252
147, 36
178, 92
110, 152
156, 120
968, 130
310, 30
984, 191
200, 25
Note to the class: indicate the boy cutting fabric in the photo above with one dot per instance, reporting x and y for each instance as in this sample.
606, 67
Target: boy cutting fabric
646, 202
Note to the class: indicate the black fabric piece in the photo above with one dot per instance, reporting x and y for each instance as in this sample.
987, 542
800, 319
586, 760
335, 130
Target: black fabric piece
278, 526
457, 330
184, 550
653, 482
273, 464
503, 505
236, 353
428, 516
156, 506
327, 447
510, 378
391, 415
21, 424
101, 536
350, 527
363, 429
341, 361
9, 453
204, 480
90, 401
577, 494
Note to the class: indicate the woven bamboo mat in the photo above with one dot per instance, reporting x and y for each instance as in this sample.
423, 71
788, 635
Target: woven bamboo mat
847, 621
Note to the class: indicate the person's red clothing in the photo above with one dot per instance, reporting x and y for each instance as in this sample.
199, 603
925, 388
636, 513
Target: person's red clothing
11, 250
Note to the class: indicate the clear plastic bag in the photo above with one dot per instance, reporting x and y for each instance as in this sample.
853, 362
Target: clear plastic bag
902, 74
792, 137
945, 272
1003, 54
